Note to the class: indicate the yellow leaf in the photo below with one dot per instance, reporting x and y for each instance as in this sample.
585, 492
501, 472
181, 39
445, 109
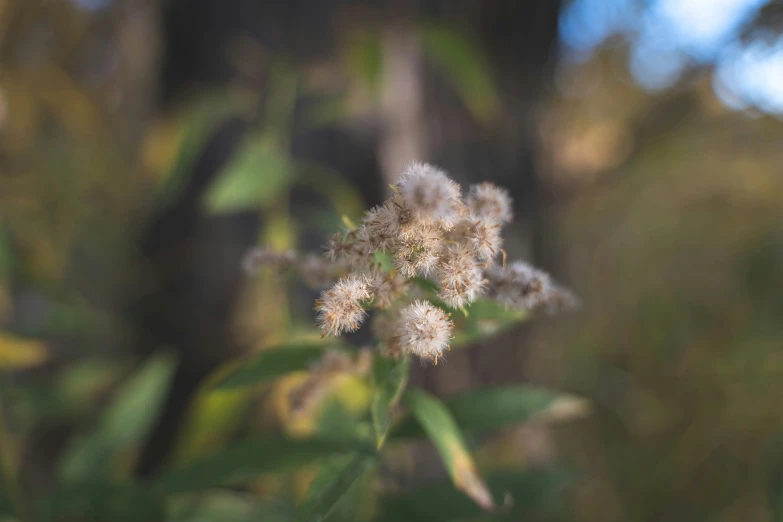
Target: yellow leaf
16, 352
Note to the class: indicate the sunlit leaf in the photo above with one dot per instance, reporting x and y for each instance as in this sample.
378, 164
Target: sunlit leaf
272, 363
389, 379
17, 352
126, 422
465, 66
247, 459
441, 428
334, 479
488, 409
254, 177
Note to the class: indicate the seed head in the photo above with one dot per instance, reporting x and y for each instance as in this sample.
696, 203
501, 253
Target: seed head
430, 194
490, 202
461, 279
481, 237
385, 288
318, 272
340, 308
424, 330
519, 286
258, 258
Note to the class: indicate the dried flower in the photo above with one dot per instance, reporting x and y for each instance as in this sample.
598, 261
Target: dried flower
424, 330
340, 308
430, 194
418, 253
461, 280
427, 230
258, 258
490, 203
385, 288
318, 272
519, 286
481, 237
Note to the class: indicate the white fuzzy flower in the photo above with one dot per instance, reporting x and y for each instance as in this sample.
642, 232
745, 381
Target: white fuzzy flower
481, 237
417, 254
340, 308
519, 285
461, 279
385, 289
430, 194
490, 202
350, 247
424, 330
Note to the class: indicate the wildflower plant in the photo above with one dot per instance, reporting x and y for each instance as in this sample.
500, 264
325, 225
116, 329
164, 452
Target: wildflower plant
418, 265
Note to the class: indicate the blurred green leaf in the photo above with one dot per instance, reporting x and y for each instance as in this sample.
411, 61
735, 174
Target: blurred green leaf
389, 378
200, 122
441, 428
333, 480
273, 363
99, 500
485, 318
124, 423
537, 493
487, 409
247, 459
466, 67
425, 284
255, 176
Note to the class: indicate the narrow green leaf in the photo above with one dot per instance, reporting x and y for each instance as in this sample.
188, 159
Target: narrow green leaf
244, 459
254, 177
333, 480
272, 363
201, 121
441, 428
125, 423
389, 379
488, 409
466, 67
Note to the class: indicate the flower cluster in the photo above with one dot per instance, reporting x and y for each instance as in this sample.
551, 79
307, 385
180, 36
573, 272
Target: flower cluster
426, 230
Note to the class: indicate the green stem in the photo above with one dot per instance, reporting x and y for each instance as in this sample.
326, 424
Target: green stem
7, 468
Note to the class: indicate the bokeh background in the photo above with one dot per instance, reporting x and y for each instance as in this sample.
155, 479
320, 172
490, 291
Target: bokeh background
146, 146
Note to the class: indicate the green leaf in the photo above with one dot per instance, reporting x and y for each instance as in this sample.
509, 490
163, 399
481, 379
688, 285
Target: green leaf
333, 480
247, 459
486, 318
389, 378
125, 423
488, 409
201, 122
441, 428
425, 284
273, 363
466, 67
254, 177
